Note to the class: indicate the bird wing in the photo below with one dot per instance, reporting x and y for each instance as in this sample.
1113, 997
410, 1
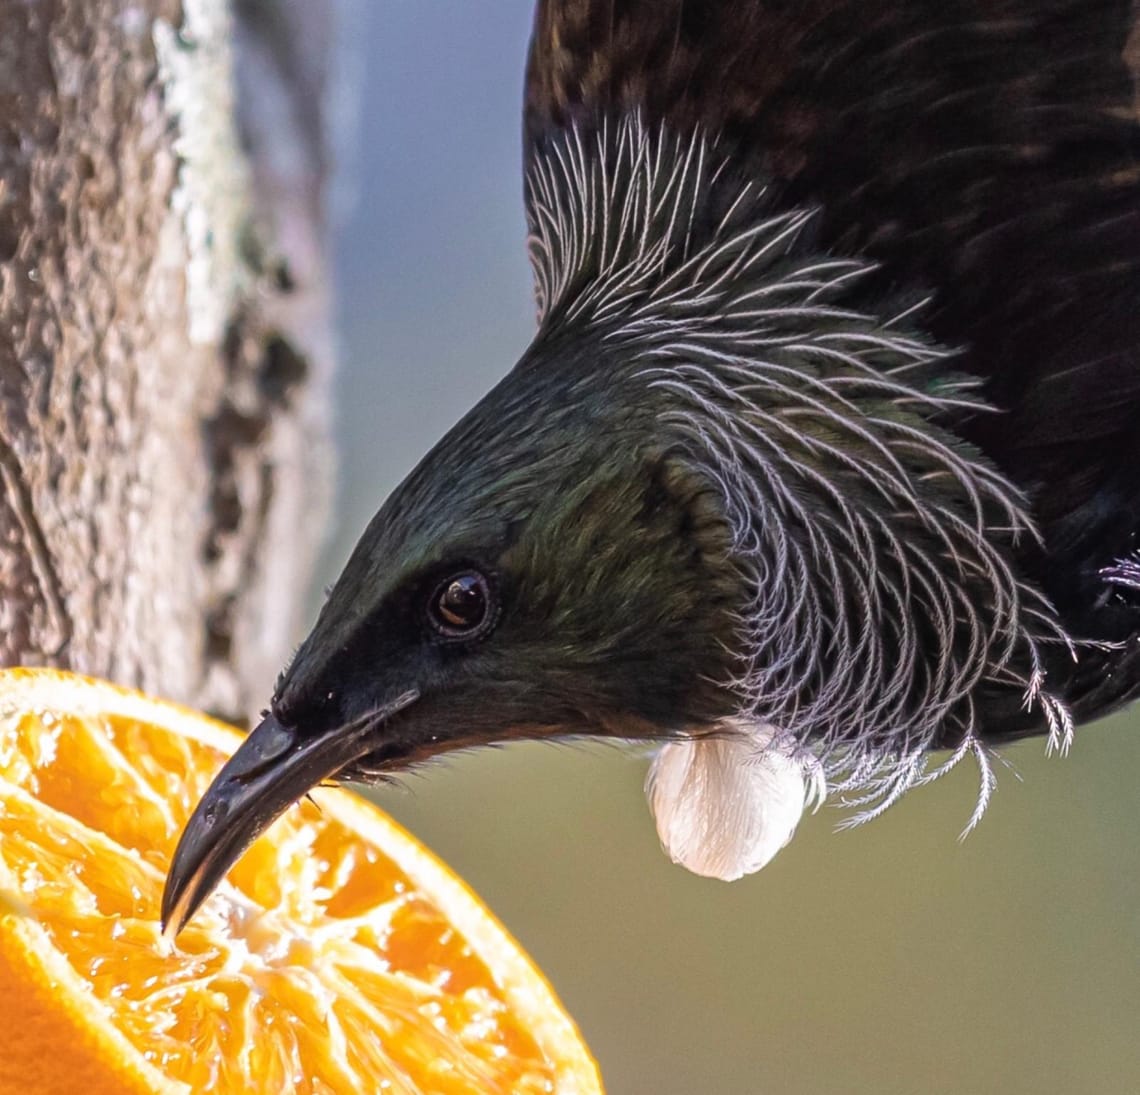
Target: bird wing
986, 152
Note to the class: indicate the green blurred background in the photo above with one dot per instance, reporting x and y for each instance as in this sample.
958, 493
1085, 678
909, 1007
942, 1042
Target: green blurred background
890, 960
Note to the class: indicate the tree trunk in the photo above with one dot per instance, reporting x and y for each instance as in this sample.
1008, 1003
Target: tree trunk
164, 349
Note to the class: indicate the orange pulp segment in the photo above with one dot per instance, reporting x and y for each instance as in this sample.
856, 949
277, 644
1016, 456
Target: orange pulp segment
339, 956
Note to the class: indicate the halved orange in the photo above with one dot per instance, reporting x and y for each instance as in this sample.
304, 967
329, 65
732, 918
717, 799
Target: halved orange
338, 955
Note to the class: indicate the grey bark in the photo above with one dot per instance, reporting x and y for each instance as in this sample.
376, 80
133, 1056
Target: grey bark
164, 349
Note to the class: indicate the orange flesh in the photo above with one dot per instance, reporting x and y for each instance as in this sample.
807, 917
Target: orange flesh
319, 965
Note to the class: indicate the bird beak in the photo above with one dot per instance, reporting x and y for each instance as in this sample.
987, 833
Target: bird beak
272, 769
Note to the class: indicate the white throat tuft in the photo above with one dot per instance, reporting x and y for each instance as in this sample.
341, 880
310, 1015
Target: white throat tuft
726, 805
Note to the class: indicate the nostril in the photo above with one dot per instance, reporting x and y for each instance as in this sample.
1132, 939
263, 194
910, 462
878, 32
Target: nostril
294, 708
284, 707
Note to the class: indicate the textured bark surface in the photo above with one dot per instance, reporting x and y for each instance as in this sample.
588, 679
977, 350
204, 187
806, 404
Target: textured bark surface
163, 351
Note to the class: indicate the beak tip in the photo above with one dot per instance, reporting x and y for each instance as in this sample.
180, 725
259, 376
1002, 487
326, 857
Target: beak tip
177, 905
271, 769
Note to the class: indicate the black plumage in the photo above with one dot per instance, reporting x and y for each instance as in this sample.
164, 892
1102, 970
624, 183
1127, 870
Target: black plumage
986, 153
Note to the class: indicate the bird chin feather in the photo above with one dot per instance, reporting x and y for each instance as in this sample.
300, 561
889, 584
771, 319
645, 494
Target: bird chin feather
726, 804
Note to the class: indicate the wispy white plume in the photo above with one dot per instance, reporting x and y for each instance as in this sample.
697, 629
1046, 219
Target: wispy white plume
875, 546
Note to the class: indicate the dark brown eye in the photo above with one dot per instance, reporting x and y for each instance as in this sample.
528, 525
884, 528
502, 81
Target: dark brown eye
461, 607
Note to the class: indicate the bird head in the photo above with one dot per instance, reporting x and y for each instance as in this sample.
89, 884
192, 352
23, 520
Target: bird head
542, 572
555, 566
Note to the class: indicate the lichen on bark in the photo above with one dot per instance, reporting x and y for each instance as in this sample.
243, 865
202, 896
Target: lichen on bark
164, 348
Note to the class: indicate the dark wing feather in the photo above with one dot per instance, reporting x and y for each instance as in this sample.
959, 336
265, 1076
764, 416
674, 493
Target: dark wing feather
985, 150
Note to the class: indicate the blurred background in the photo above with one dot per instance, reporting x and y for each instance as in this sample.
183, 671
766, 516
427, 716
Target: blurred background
891, 959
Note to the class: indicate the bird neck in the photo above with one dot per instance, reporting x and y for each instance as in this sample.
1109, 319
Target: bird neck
874, 546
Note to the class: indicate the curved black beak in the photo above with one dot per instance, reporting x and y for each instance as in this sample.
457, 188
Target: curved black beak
272, 769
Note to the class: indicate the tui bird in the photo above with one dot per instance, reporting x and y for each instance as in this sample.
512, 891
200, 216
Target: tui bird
825, 458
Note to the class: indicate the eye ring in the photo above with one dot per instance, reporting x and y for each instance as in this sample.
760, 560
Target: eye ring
463, 606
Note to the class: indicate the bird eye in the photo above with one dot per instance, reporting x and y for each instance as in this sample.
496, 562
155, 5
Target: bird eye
461, 607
